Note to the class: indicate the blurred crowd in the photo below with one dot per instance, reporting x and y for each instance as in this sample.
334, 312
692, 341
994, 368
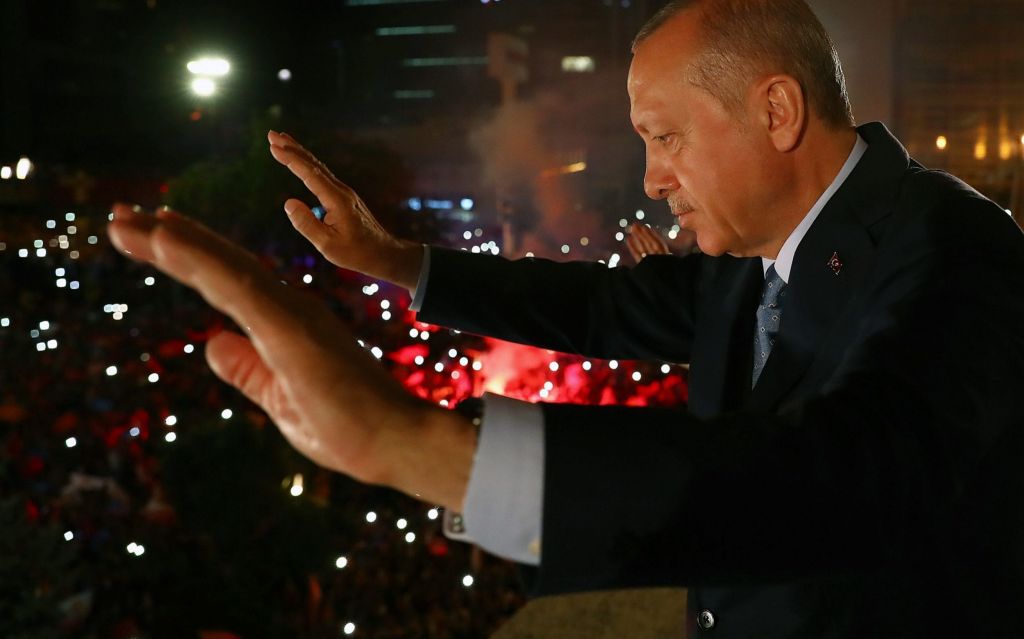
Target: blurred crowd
142, 497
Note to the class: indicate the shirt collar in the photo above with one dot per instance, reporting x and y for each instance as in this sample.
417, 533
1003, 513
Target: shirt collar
784, 262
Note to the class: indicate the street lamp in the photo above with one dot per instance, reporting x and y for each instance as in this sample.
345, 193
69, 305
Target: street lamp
210, 67
206, 69
204, 87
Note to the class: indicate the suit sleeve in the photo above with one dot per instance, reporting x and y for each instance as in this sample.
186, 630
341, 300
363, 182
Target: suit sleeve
909, 455
646, 312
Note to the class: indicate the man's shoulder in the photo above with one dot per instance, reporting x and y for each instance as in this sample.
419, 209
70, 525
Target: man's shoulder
950, 211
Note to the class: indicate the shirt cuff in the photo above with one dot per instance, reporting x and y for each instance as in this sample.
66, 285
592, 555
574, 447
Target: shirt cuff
421, 284
504, 502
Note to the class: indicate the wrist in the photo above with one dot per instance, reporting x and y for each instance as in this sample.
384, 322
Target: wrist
434, 461
404, 267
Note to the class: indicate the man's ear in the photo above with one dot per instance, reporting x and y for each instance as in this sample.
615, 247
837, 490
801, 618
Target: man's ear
782, 108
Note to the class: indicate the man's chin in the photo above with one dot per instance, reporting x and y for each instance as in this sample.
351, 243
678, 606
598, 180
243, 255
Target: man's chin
709, 246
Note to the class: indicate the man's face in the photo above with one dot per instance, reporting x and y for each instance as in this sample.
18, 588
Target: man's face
713, 169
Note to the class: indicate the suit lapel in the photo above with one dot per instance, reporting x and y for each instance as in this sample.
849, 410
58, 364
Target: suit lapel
817, 294
828, 267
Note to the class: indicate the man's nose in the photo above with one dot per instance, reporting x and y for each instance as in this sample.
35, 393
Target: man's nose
659, 181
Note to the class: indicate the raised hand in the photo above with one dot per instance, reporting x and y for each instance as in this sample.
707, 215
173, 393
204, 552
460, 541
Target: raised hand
329, 398
349, 235
643, 241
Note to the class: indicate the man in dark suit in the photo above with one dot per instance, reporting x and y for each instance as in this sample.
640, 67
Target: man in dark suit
849, 465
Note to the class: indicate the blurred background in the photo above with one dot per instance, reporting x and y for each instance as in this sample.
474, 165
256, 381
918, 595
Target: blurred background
139, 496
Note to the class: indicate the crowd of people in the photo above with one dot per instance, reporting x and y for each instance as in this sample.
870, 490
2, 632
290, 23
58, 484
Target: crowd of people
161, 503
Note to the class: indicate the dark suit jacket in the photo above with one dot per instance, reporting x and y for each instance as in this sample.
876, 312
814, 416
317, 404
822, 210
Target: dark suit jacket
871, 485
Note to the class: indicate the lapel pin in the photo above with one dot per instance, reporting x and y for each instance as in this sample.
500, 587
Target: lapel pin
835, 263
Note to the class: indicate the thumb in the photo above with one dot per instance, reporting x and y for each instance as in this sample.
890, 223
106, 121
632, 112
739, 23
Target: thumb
306, 223
234, 359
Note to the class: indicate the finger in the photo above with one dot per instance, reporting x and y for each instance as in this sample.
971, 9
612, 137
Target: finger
287, 142
648, 240
227, 276
634, 249
234, 359
316, 179
305, 222
130, 230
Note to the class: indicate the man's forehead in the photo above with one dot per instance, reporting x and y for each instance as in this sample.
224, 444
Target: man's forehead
665, 55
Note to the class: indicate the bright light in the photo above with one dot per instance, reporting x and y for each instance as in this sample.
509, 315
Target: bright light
349, 628
613, 364
636, 376
565, 248
204, 87
401, 523
226, 413
153, 378
439, 367
134, 431
170, 420
284, 75
452, 352
69, 217
419, 360
5, 322
578, 64
587, 366
620, 236
553, 366
941, 143
51, 344
209, 67
68, 535
6, 172
665, 368
377, 352
466, 204
371, 517
70, 442
467, 581
44, 325
51, 224
639, 215
432, 514
296, 489
111, 371
341, 561
410, 537
22, 169
170, 437
149, 281
307, 279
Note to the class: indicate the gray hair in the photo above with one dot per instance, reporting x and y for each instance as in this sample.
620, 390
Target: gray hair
746, 38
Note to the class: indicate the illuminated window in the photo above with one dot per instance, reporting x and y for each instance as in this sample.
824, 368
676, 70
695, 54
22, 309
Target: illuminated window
445, 62
370, 3
414, 94
417, 30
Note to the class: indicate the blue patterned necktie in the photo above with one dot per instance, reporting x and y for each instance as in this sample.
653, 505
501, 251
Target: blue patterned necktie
769, 315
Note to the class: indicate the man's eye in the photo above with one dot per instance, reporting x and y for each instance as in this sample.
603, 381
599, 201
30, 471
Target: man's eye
663, 138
